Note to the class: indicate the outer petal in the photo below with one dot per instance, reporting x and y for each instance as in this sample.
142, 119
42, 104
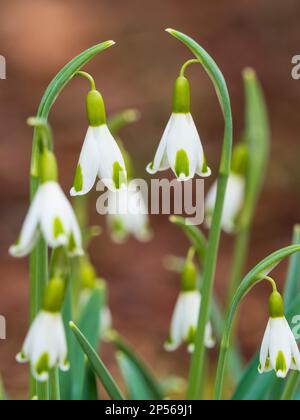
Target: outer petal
202, 169
294, 349
233, 203
88, 165
112, 169
55, 224
160, 162
280, 346
177, 325
29, 233
210, 341
264, 352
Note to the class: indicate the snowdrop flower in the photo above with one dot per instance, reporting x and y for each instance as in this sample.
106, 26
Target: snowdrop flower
100, 155
186, 314
279, 350
180, 148
235, 194
50, 214
127, 214
45, 346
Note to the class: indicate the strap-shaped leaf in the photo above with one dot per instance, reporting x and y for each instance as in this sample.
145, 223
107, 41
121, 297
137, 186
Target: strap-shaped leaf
133, 367
97, 365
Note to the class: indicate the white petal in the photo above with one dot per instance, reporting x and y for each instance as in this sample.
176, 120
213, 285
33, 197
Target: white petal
54, 213
294, 350
160, 162
264, 352
177, 327
233, 203
29, 233
88, 162
110, 154
280, 343
199, 152
210, 342
182, 138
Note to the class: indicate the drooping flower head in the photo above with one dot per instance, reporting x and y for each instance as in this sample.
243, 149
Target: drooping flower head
50, 214
128, 214
180, 148
100, 155
235, 193
186, 314
279, 350
45, 346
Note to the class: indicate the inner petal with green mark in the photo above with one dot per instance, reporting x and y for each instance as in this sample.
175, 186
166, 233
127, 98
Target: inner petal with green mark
58, 228
281, 363
191, 335
43, 365
119, 175
182, 164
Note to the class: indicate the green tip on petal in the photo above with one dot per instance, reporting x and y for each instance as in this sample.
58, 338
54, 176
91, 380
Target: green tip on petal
276, 305
119, 175
182, 164
43, 366
58, 228
190, 338
281, 366
78, 181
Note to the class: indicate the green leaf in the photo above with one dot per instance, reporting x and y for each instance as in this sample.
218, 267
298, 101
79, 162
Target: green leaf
97, 365
292, 287
89, 324
133, 367
194, 234
2, 391
90, 391
256, 275
254, 386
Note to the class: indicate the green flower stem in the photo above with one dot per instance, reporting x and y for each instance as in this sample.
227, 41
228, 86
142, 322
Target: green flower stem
186, 65
291, 386
197, 363
39, 257
88, 77
255, 276
54, 385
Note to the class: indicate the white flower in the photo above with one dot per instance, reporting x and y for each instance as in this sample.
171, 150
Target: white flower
184, 322
52, 214
100, 156
105, 321
45, 346
180, 149
233, 204
127, 214
279, 349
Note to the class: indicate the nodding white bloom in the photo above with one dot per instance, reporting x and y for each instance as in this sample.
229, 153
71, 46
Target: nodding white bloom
186, 314
233, 204
180, 148
45, 346
235, 193
106, 321
279, 350
128, 215
100, 155
50, 214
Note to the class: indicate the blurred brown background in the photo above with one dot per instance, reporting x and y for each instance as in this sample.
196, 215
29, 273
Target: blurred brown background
39, 37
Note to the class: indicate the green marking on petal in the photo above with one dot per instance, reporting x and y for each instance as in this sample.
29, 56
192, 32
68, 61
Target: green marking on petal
58, 228
182, 164
117, 226
281, 363
205, 166
191, 335
119, 175
72, 243
151, 166
78, 181
43, 365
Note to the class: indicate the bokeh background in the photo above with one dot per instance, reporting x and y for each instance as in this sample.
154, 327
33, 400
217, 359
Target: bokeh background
39, 37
